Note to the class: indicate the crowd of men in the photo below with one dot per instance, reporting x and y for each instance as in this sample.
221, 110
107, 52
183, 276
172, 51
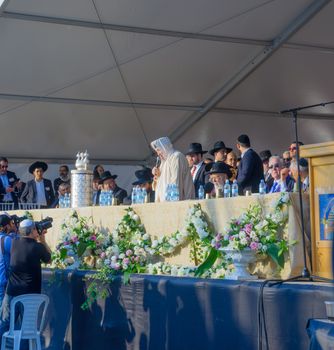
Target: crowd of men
196, 168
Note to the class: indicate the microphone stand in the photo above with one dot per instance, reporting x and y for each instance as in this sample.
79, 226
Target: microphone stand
305, 274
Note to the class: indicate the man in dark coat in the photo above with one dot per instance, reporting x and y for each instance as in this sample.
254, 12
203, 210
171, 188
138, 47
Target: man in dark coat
109, 183
250, 171
38, 190
197, 166
10, 185
64, 177
144, 180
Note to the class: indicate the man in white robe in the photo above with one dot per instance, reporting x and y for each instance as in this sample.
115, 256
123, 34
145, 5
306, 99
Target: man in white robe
174, 169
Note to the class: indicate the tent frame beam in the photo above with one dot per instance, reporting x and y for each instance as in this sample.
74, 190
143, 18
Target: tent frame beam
156, 106
154, 31
249, 68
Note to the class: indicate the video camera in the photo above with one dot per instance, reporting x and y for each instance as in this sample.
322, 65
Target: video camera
43, 224
17, 219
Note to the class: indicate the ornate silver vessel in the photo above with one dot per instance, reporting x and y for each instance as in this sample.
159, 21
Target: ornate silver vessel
81, 182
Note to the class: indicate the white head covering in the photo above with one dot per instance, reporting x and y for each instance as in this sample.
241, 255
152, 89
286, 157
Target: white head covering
164, 145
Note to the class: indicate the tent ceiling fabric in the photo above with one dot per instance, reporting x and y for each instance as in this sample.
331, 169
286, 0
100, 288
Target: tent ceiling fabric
150, 66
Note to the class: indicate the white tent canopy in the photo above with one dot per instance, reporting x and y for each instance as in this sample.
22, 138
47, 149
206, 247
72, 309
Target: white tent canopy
112, 75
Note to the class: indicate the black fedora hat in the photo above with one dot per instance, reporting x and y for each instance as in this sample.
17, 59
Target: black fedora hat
219, 145
106, 176
143, 176
38, 165
195, 148
144, 172
218, 168
265, 155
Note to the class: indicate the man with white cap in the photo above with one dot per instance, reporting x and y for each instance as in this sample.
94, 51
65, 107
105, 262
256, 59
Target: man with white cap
25, 277
174, 169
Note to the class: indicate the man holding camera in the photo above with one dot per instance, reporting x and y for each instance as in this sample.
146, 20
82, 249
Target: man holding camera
25, 277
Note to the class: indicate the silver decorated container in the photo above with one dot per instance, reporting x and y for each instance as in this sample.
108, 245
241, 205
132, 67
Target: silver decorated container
81, 188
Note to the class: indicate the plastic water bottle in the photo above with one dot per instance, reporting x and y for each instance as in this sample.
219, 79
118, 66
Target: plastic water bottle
227, 189
61, 202
235, 189
174, 193
109, 197
262, 187
177, 193
143, 195
201, 192
168, 193
102, 200
134, 195
67, 200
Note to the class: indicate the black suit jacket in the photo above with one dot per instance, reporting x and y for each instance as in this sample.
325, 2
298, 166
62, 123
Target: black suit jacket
12, 179
118, 193
29, 194
199, 178
250, 172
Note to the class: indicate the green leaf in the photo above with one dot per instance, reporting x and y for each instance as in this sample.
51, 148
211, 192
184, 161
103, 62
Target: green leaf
274, 252
207, 263
81, 248
126, 277
63, 253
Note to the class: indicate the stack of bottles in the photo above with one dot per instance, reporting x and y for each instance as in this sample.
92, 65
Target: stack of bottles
65, 201
139, 195
172, 193
105, 198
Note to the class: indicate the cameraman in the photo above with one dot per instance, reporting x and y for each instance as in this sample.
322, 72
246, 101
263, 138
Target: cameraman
25, 271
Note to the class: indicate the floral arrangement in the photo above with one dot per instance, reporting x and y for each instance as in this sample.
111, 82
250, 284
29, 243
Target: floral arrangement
129, 249
257, 231
80, 243
197, 231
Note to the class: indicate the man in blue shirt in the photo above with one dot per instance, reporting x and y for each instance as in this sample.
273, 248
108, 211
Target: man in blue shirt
10, 185
5, 246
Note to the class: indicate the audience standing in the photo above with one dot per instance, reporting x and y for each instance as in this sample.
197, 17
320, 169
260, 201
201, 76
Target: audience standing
64, 177
10, 185
304, 177
38, 190
197, 166
220, 151
250, 171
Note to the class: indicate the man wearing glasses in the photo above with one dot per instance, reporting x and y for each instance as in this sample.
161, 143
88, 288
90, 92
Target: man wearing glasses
10, 185
293, 149
282, 180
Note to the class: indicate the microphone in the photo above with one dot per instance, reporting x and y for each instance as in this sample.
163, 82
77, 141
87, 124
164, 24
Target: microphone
158, 162
208, 187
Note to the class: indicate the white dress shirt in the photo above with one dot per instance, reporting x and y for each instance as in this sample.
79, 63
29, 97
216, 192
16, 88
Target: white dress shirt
40, 198
196, 171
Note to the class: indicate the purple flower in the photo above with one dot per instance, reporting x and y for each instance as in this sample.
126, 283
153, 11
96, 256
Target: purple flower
248, 228
218, 237
75, 239
126, 261
103, 255
93, 238
253, 246
128, 252
217, 245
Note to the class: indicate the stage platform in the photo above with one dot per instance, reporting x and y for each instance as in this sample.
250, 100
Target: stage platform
173, 313
168, 217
